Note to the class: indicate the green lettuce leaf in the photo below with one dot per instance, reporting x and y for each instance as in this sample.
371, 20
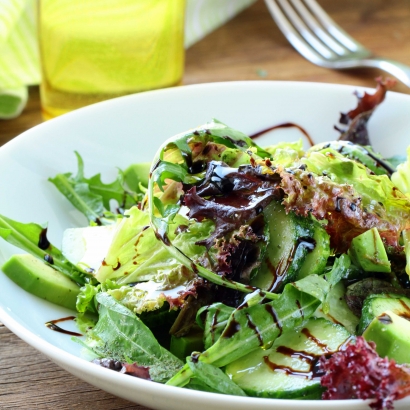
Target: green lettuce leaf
286, 153
373, 189
401, 178
120, 335
136, 254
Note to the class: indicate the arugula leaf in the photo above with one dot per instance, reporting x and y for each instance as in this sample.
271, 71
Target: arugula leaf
136, 176
249, 328
91, 196
214, 378
340, 269
218, 314
121, 335
31, 237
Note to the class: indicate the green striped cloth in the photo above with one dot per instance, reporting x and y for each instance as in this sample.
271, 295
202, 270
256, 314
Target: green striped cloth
19, 56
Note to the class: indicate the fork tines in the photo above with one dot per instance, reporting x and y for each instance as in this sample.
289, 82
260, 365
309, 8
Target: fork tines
313, 33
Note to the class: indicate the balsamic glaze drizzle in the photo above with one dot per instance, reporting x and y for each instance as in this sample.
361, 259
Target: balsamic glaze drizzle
53, 326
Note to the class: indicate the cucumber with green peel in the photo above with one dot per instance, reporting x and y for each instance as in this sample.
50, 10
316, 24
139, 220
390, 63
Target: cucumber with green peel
291, 251
289, 368
375, 305
316, 260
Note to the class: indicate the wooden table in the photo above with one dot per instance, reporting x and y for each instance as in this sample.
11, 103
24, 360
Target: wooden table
249, 47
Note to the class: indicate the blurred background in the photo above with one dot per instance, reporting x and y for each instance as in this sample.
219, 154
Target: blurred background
249, 46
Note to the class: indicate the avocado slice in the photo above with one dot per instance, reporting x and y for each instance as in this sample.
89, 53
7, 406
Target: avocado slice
391, 333
375, 305
41, 280
368, 252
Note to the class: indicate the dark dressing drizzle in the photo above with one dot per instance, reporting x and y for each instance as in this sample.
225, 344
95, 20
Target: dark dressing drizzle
310, 358
314, 339
254, 328
378, 161
49, 259
52, 325
275, 317
406, 313
214, 324
43, 242
285, 125
232, 328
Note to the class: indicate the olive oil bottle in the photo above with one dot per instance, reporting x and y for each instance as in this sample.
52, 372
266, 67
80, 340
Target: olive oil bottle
93, 50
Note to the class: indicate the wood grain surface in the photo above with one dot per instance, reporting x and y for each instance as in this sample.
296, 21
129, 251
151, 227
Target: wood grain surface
249, 47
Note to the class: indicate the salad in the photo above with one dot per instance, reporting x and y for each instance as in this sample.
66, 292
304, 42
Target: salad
237, 269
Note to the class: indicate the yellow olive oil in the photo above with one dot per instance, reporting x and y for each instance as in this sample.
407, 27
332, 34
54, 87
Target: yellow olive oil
93, 50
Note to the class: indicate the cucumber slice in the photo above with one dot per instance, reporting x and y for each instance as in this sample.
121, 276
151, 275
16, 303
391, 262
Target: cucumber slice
289, 368
316, 260
290, 241
375, 305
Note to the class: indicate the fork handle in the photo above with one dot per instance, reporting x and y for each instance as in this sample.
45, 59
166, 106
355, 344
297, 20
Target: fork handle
398, 70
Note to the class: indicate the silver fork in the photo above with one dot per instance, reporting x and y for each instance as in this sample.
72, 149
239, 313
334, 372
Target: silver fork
320, 40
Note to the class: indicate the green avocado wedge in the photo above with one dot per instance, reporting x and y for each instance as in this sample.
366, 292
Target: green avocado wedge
391, 333
367, 251
40, 279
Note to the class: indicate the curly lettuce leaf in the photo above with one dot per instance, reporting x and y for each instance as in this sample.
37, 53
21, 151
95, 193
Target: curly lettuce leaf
137, 255
120, 335
365, 155
382, 205
172, 287
401, 178
286, 153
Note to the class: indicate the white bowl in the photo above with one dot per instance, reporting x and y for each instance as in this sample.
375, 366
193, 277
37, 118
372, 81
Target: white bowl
130, 129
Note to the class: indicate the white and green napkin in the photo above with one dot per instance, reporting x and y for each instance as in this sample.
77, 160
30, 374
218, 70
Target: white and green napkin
19, 56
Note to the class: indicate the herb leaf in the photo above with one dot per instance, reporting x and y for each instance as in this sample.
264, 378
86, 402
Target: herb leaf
91, 196
122, 336
259, 325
